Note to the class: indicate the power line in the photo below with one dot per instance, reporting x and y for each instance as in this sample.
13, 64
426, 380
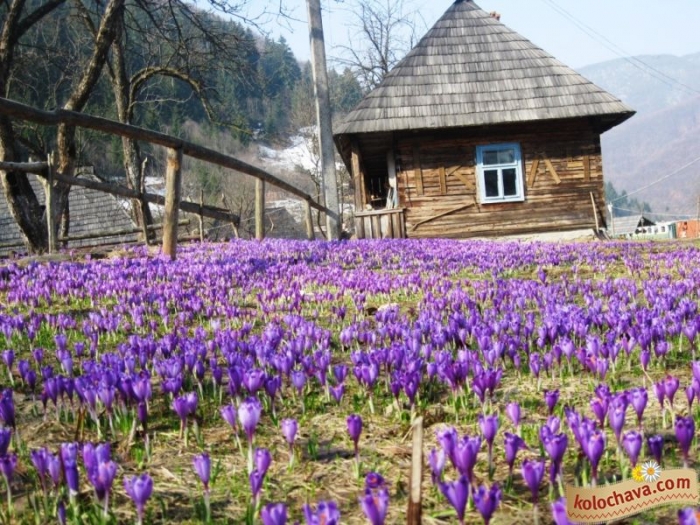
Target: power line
655, 213
696, 159
611, 46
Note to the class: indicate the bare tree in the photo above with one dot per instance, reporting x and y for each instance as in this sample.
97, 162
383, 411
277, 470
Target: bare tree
381, 32
105, 41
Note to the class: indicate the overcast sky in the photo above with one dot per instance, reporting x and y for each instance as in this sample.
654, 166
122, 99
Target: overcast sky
629, 27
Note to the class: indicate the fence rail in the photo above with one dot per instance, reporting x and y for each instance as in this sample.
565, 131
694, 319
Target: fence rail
176, 148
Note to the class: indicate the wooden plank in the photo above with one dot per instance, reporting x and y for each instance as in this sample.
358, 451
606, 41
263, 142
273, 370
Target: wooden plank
15, 109
259, 209
413, 515
173, 188
552, 171
48, 187
357, 177
417, 171
451, 210
595, 212
115, 189
376, 227
586, 167
443, 181
308, 221
533, 172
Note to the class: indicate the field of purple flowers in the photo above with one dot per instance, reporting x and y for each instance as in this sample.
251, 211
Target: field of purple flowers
274, 382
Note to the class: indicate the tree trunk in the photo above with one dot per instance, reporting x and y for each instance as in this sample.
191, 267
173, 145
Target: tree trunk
133, 163
23, 203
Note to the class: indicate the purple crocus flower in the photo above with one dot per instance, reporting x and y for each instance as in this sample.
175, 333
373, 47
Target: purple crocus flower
489, 427
513, 443
655, 447
465, 455
289, 431
375, 503
7, 408
632, 443
638, 398
228, 414
436, 460
448, 440
533, 472
551, 397
671, 385
457, 493
555, 445
5, 439
354, 423
262, 459
487, 501
8, 464
249, 415
594, 446
139, 488
688, 516
685, 431
326, 513
202, 466
616, 419
559, 514
256, 479
513, 412
274, 514
69, 459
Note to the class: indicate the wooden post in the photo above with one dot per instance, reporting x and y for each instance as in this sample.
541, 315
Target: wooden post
309, 221
143, 204
595, 213
201, 217
413, 516
323, 118
173, 179
50, 226
259, 209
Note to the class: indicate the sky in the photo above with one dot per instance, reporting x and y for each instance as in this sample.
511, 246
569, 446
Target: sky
577, 32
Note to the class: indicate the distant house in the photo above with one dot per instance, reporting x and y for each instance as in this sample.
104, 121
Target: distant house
90, 212
477, 131
640, 227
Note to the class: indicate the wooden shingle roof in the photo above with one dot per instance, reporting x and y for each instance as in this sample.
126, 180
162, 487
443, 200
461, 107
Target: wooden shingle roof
471, 70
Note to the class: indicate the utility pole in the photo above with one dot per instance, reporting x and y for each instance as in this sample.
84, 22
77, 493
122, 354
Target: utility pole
329, 184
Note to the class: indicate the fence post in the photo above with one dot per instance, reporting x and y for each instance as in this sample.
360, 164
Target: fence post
259, 209
413, 516
201, 217
143, 204
48, 186
173, 179
309, 220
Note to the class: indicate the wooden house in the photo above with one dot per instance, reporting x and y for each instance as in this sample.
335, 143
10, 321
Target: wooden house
477, 131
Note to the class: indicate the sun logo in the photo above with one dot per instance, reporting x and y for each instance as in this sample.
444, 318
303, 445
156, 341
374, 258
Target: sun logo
651, 471
637, 473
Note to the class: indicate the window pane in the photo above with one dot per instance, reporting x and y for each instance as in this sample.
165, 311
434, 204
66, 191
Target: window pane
506, 156
491, 183
490, 157
510, 186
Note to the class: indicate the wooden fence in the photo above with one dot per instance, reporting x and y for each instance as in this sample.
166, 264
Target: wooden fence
176, 148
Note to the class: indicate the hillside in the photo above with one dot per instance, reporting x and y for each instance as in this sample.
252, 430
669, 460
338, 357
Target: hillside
662, 137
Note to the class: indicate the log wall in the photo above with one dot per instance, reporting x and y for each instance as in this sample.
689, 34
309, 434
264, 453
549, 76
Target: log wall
562, 167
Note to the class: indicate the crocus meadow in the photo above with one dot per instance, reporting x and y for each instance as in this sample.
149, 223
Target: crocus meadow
276, 382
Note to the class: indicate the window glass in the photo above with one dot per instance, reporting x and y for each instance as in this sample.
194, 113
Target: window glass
491, 183
506, 156
510, 182
490, 157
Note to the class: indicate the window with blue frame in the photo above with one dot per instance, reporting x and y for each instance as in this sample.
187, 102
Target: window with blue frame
499, 173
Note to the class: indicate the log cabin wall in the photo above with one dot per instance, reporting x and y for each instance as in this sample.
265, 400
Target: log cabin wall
561, 168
